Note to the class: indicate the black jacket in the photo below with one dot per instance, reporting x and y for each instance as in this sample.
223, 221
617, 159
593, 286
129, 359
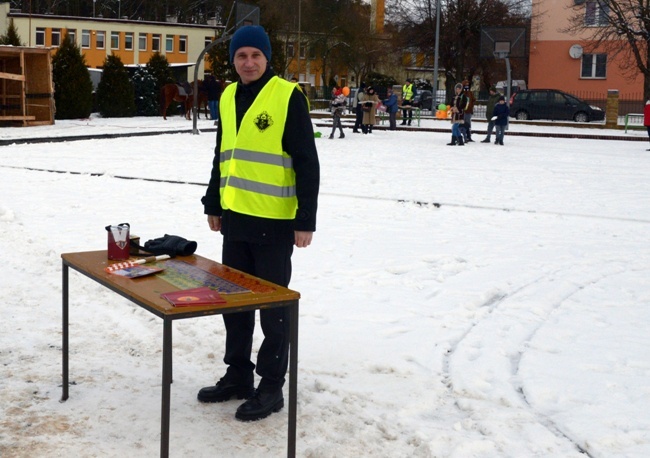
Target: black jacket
298, 142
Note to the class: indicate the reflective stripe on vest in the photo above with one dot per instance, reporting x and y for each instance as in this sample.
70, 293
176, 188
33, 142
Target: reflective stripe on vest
257, 176
407, 91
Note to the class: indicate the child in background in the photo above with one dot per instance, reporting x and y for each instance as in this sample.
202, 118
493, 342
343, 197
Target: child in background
337, 106
500, 117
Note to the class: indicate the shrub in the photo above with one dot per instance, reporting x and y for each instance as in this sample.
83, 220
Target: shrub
146, 96
115, 95
73, 89
11, 38
159, 68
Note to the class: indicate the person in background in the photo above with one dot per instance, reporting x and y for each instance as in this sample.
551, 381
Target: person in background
408, 92
457, 107
466, 127
500, 117
359, 109
337, 108
646, 118
213, 88
391, 108
369, 103
262, 197
493, 99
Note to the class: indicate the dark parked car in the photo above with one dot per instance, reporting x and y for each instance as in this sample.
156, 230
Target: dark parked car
552, 104
423, 99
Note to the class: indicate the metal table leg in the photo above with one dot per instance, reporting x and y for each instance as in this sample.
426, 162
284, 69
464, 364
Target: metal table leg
64, 396
166, 387
293, 379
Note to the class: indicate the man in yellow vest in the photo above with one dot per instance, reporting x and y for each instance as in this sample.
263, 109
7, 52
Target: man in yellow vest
262, 197
407, 102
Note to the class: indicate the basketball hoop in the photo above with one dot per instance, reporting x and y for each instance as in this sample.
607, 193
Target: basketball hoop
501, 54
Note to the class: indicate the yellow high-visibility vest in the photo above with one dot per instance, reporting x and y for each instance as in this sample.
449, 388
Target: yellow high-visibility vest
257, 176
407, 91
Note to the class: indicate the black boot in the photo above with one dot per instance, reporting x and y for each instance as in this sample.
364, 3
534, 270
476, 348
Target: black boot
486, 140
225, 390
342, 135
460, 141
261, 405
370, 129
453, 141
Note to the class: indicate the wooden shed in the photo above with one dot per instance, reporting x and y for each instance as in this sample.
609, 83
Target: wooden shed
26, 88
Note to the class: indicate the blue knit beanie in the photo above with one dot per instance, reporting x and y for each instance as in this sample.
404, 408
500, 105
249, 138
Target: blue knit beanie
251, 35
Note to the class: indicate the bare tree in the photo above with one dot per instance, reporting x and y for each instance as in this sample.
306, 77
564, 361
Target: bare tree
619, 28
460, 27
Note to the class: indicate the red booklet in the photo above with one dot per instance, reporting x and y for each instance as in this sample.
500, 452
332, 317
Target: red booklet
192, 297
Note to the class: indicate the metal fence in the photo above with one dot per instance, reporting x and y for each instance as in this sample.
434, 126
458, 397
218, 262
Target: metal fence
320, 96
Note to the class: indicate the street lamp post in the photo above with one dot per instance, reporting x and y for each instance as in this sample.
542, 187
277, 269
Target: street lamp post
436, 54
299, 27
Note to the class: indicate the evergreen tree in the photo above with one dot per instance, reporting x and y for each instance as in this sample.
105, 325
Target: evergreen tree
73, 88
218, 57
159, 68
146, 96
115, 95
11, 37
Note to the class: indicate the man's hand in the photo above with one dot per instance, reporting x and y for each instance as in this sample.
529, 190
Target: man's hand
303, 238
214, 222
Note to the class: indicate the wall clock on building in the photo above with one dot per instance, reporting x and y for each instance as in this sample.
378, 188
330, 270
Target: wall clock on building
575, 51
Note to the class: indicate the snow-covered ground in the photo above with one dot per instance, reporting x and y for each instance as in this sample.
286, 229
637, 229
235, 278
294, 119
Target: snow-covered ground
483, 301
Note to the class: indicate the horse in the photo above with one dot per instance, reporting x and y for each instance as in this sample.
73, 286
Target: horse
171, 93
202, 101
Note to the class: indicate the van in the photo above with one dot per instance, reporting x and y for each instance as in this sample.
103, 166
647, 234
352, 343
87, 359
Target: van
554, 105
516, 85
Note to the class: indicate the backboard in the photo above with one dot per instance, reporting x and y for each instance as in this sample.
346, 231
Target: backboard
502, 42
246, 15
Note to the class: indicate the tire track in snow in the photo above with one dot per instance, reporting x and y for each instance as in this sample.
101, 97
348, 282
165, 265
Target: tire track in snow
350, 196
478, 383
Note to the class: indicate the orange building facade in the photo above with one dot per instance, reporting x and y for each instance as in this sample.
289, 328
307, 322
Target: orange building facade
134, 42
559, 60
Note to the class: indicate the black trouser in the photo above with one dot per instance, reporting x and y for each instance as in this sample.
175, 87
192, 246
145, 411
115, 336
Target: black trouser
271, 263
407, 113
359, 119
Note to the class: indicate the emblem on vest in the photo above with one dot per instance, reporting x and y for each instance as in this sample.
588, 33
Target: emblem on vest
263, 121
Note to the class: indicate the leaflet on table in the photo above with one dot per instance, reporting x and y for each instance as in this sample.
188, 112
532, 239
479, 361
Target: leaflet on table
137, 271
194, 296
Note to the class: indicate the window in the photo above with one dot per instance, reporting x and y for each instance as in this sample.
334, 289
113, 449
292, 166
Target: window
155, 43
128, 41
594, 66
40, 36
100, 40
303, 51
596, 13
169, 43
56, 37
72, 33
290, 51
142, 42
115, 40
85, 39
182, 44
